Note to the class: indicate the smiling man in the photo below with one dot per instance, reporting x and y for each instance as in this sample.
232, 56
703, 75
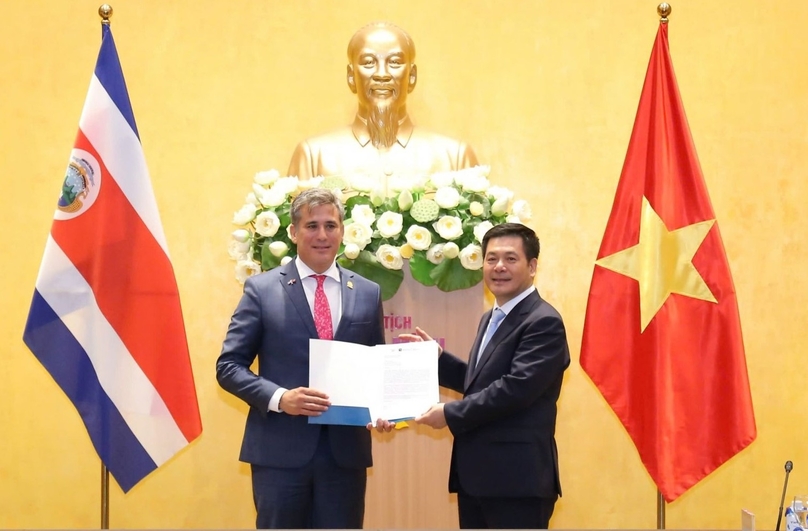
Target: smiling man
382, 139
303, 475
504, 465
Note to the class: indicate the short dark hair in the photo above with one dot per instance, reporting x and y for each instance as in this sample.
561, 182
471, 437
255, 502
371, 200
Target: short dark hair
530, 242
315, 197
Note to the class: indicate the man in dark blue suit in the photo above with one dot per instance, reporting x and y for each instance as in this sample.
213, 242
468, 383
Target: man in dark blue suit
304, 475
504, 459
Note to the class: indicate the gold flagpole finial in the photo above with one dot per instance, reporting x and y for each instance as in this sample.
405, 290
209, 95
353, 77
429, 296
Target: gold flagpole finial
664, 9
105, 12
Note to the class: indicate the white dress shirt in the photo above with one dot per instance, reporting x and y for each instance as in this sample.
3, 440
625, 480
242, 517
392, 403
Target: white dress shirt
333, 292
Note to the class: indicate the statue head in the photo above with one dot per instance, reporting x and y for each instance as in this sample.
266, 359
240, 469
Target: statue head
382, 72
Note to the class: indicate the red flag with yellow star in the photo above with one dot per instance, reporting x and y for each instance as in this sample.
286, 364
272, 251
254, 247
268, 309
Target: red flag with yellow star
662, 337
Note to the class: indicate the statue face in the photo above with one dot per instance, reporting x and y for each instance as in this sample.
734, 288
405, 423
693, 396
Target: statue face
381, 73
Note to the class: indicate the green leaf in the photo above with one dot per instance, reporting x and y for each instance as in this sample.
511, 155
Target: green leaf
357, 200
450, 275
268, 260
421, 269
370, 268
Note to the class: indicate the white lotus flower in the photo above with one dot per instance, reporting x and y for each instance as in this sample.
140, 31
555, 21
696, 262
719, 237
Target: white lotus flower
244, 215
358, 234
450, 250
419, 238
308, 184
240, 235
435, 253
267, 223
377, 196
498, 192
265, 178
447, 197
522, 209
476, 208
481, 229
351, 251
473, 181
252, 199
405, 200
449, 228
287, 185
471, 257
363, 214
500, 206
274, 197
238, 250
441, 179
245, 269
390, 224
278, 249
285, 260
389, 256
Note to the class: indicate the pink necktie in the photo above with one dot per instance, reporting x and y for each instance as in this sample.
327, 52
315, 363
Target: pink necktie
322, 311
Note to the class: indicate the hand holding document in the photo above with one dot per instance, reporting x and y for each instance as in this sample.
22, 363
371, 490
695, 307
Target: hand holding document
391, 382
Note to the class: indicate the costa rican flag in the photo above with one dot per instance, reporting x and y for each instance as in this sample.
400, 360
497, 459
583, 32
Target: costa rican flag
105, 318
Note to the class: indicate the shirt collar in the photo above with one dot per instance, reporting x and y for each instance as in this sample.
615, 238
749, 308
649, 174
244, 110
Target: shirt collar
305, 271
360, 131
511, 304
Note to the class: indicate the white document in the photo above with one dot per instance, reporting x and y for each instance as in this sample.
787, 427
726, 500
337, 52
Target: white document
390, 382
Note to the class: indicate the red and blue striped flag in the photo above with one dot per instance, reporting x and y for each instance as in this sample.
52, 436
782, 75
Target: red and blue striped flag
105, 318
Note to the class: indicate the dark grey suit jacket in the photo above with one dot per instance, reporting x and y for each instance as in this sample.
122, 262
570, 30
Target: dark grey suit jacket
273, 322
504, 427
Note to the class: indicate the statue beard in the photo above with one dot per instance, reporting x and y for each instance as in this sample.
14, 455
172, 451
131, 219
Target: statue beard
383, 124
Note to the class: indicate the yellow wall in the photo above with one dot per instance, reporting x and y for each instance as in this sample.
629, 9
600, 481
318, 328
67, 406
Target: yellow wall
546, 92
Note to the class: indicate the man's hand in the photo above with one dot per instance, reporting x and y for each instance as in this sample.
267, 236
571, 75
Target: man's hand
304, 401
419, 335
382, 426
434, 417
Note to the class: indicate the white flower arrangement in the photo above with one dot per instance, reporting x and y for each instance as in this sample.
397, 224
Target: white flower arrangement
433, 223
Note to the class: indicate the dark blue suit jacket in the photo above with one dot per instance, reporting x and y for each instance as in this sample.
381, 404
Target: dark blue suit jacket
273, 321
504, 427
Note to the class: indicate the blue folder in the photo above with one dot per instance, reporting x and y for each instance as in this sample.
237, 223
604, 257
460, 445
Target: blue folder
343, 415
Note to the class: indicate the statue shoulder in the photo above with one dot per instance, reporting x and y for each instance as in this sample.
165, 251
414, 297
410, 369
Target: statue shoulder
310, 152
329, 139
459, 150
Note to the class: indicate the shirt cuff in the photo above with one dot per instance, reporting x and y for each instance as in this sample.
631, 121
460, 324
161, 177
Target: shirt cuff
275, 401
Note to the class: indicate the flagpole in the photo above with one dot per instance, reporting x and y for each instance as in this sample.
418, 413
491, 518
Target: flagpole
105, 12
663, 10
104, 496
660, 511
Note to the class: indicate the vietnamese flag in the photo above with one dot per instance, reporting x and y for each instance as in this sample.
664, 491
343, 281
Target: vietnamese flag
662, 337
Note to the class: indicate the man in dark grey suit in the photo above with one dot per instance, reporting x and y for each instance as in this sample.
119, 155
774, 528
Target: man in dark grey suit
504, 459
304, 475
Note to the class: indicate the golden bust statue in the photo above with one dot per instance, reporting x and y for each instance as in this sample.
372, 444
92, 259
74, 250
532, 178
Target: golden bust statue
382, 139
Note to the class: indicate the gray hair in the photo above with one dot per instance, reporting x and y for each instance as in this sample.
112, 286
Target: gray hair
315, 197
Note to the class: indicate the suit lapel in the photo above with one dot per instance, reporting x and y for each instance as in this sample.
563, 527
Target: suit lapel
476, 346
291, 284
348, 299
511, 321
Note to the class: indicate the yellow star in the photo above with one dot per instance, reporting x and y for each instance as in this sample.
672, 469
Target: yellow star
662, 262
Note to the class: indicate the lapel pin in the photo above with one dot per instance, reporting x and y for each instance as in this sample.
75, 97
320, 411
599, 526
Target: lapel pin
350, 285
292, 282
